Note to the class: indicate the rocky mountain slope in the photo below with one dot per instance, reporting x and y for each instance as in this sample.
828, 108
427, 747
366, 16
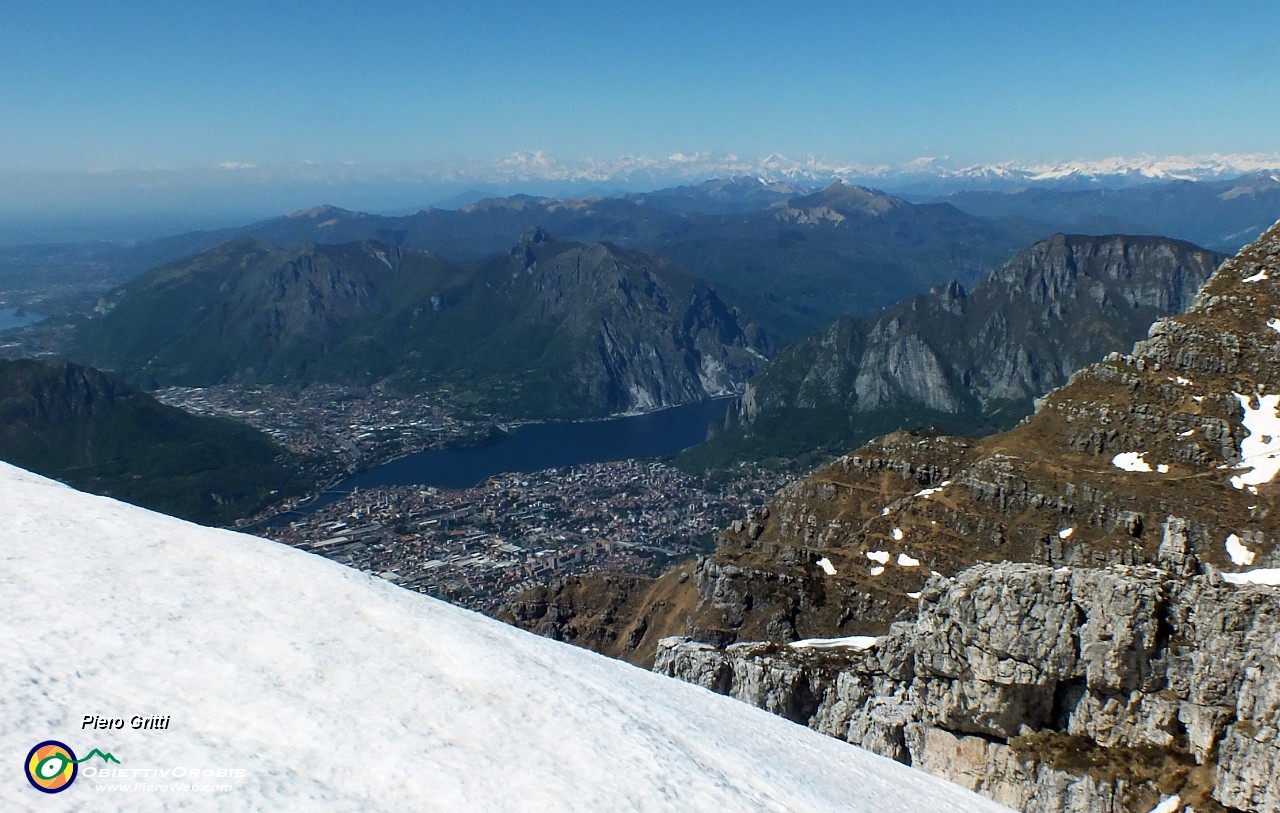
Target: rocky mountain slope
548, 329
95, 432
968, 361
1131, 651
1047, 689
301, 685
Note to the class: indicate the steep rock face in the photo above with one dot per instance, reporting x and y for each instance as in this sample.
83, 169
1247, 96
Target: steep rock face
1048, 689
652, 336
974, 359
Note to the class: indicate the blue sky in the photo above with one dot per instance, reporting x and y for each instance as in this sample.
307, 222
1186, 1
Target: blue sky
120, 86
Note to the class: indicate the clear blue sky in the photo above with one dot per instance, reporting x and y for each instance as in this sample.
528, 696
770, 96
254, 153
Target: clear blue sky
122, 85
180, 87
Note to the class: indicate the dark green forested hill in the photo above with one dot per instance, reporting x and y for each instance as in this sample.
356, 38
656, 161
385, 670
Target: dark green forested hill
90, 430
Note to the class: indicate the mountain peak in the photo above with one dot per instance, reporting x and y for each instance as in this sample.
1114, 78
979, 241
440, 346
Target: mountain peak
848, 199
535, 235
323, 212
971, 360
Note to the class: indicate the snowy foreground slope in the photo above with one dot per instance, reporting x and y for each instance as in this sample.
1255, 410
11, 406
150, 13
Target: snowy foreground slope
330, 690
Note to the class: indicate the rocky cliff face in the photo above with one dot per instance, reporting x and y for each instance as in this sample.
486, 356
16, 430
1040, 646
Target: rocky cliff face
1048, 689
967, 360
643, 335
1118, 655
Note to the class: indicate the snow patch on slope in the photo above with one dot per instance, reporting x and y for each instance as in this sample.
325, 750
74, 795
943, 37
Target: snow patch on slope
848, 642
1131, 461
1266, 575
1260, 450
336, 690
1170, 805
1239, 552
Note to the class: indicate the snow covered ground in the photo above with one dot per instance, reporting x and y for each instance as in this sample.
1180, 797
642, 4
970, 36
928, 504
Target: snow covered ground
292, 683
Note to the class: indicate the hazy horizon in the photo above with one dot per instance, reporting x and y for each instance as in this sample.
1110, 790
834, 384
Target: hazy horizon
200, 115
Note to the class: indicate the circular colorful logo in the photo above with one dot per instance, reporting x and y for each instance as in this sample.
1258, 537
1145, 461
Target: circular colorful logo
51, 767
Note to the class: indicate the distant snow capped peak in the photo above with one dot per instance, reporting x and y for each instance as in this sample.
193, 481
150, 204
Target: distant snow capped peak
813, 169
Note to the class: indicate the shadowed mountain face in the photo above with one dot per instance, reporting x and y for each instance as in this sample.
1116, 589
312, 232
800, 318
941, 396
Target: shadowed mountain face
549, 329
966, 361
94, 432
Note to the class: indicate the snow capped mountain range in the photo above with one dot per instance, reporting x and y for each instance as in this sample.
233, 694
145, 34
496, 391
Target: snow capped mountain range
540, 166
288, 682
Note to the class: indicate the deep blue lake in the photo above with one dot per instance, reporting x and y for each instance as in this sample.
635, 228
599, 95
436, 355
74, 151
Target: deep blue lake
543, 446
9, 318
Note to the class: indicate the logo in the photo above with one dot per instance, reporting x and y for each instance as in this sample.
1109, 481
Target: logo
52, 766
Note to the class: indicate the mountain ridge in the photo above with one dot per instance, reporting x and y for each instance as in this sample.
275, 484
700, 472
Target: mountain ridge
963, 360
547, 329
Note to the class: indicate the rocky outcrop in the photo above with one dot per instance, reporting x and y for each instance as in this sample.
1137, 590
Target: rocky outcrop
1048, 689
618, 614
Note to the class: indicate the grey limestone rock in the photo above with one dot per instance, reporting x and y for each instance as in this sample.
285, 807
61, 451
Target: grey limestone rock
1127, 660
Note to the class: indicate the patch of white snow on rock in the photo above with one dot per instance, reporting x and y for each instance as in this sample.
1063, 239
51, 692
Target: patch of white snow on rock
1239, 552
826, 566
881, 556
1260, 450
1131, 461
1266, 575
848, 642
1171, 805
